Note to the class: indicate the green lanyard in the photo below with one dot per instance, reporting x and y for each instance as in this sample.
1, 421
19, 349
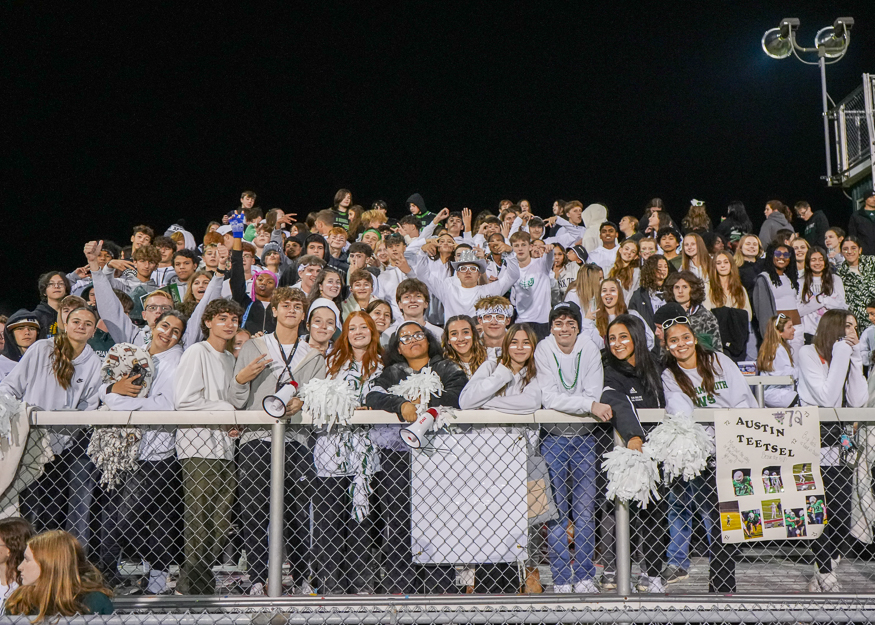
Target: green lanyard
576, 371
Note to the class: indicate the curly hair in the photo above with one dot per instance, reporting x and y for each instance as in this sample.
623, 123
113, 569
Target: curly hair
649, 277
697, 287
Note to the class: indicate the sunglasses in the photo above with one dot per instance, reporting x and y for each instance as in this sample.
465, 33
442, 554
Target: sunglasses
493, 317
778, 318
697, 203
670, 322
468, 268
780, 254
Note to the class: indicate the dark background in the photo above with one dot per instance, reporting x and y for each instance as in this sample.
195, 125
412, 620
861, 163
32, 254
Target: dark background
147, 114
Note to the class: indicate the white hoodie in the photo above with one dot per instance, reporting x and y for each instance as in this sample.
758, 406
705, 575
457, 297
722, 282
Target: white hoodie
490, 377
157, 442
33, 382
581, 369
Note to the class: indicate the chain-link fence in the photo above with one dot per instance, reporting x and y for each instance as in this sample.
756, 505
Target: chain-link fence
235, 504
853, 118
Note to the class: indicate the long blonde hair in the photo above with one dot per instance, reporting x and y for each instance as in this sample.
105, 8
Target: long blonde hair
702, 260
587, 285
65, 577
771, 342
63, 353
625, 272
739, 257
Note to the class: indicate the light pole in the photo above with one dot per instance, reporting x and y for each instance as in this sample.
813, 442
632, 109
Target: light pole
830, 43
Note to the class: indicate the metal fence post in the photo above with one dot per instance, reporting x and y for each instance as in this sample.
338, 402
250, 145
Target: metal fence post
623, 548
275, 529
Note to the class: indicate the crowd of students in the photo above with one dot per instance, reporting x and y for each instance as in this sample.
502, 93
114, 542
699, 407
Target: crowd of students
513, 312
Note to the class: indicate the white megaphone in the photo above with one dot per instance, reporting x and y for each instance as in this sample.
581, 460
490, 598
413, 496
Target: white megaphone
415, 433
275, 405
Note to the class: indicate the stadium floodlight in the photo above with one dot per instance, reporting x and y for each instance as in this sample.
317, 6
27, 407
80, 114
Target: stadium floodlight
830, 43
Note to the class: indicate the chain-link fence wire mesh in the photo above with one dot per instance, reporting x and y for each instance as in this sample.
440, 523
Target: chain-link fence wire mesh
854, 139
480, 509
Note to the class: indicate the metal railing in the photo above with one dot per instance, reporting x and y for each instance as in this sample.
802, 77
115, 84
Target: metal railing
855, 132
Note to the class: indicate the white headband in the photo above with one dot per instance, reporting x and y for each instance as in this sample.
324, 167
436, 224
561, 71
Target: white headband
507, 311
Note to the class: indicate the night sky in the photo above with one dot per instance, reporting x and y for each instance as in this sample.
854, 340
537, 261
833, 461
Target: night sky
149, 114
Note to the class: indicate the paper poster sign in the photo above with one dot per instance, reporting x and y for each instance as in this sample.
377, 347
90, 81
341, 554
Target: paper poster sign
768, 474
470, 498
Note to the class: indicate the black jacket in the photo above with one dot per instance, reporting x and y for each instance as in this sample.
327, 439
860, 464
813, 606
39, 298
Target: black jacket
625, 393
640, 303
862, 225
748, 273
734, 331
10, 347
48, 320
451, 375
814, 230
423, 217
258, 318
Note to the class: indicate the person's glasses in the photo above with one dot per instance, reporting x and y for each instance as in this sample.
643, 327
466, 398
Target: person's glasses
780, 254
411, 338
56, 285
493, 317
670, 322
467, 268
697, 203
158, 308
778, 318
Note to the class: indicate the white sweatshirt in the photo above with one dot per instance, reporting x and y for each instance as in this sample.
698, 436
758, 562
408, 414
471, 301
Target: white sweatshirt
732, 390
33, 382
157, 442
202, 383
568, 234
780, 396
481, 390
123, 330
456, 299
604, 258
581, 370
812, 310
822, 384
530, 294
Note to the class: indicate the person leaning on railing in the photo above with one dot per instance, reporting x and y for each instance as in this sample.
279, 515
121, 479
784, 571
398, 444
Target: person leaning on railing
411, 349
831, 376
697, 378
632, 382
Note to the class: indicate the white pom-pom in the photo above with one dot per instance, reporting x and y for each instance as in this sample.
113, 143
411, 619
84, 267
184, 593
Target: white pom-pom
442, 420
419, 387
114, 450
632, 476
681, 446
9, 409
328, 402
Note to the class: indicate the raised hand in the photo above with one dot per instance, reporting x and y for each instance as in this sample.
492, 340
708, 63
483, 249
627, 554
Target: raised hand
238, 224
92, 251
253, 369
445, 212
466, 218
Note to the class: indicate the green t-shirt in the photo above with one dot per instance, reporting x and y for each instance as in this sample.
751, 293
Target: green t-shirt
94, 602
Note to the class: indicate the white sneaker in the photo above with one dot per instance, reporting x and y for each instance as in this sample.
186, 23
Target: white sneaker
829, 582
307, 589
562, 589
656, 586
256, 590
586, 587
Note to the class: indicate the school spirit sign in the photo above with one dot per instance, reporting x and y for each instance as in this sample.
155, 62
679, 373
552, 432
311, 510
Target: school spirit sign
768, 474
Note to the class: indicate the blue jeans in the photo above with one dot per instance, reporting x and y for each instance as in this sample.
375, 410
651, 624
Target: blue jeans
571, 461
683, 498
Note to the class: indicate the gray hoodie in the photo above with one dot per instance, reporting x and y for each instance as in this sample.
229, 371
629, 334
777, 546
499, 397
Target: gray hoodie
774, 222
